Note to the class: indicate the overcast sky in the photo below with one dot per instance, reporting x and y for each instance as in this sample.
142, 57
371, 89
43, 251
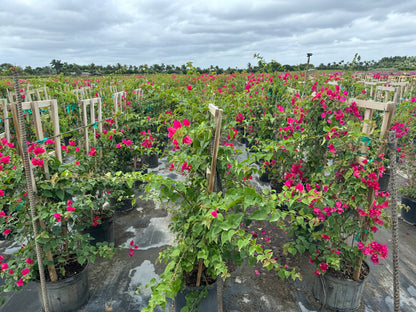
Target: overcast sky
226, 33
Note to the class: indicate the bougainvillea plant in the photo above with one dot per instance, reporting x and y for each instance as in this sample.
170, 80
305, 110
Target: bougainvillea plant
404, 123
66, 200
334, 187
208, 226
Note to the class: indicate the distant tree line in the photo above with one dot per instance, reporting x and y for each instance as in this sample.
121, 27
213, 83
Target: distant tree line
398, 63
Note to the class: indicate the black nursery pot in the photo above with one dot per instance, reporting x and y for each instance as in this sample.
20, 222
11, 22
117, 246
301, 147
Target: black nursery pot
339, 294
384, 181
409, 216
151, 160
103, 232
207, 304
69, 294
122, 205
265, 176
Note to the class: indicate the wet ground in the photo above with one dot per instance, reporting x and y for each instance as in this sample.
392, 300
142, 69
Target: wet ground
113, 283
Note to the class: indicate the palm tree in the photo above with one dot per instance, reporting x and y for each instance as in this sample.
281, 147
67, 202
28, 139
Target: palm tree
57, 65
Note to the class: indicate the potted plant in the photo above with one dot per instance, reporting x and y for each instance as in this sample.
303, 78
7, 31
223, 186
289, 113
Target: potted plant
404, 125
207, 226
337, 196
64, 204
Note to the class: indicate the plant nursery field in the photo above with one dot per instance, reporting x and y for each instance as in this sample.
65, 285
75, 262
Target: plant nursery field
232, 192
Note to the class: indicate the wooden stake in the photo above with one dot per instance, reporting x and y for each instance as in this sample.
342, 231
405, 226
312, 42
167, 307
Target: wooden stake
388, 109
198, 277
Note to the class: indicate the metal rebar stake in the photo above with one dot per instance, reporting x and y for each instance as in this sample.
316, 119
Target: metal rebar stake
395, 220
29, 185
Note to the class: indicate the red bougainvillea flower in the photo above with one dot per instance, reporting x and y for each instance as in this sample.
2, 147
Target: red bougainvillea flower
1, 193
189, 88
127, 142
186, 166
57, 216
317, 272
239, 118
214, 213
171, 167
323, 266
171, 133
187, 140
177, 124
38, 150
6, 232
299, 187
25, 271
325, 236
37, 162
92, 152
29, 261
5, 159
4, 266
186, 122
19, 283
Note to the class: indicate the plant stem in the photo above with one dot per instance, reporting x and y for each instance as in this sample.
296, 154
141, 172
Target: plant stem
51, 268
64, 230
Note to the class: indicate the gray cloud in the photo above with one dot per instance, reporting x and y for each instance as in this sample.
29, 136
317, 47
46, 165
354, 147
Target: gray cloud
224, 33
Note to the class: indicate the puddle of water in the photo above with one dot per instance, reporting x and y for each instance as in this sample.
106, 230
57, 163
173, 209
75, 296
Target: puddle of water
303, 309
141, 276
11, 249
156, 234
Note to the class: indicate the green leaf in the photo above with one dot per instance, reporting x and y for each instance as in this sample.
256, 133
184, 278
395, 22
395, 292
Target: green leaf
292, 250
60, 193
300, 220
261, 214
276, 215
81, 259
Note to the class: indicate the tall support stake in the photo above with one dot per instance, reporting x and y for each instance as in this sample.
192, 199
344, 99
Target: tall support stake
395, 220
217, 114
3, 102
306, 73
370, 107
29, 185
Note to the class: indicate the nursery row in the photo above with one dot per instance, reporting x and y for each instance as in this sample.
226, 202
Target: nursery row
320, 141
